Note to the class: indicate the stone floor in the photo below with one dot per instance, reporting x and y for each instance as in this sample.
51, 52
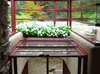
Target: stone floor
38, 65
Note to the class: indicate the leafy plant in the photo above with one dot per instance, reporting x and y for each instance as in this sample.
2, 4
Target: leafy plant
23, 15
41, 30
35, 5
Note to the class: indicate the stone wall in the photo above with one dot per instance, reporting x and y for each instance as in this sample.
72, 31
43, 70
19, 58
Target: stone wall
4, 38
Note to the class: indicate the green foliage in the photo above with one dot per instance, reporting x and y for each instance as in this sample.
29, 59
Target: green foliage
61, 14
23, 15
35, 5
76, 14
19, 4
75, 4
9, 15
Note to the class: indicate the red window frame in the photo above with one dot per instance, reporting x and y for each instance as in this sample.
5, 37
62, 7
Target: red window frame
68, 10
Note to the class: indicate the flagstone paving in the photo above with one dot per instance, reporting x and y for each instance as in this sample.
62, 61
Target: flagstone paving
38, 65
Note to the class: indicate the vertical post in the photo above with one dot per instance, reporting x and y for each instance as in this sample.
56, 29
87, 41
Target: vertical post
47, 64
81, 11
79, 65
13, 15
67, 12
10, 59
54, 13
85, 64
15, 65
70, 11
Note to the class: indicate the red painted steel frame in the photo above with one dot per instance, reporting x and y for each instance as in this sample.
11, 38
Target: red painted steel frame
54, 13
46, 40
67, 12
39, 0
34, 9
34, 19
70, 9
74, 46
83, 7
13, 15
57, 10
81, 11
83, 52
54, 19
46, 46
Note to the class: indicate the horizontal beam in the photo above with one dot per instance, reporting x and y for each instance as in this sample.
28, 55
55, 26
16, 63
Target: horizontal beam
34, 19
57, 19
62, 10
61, 19
82, 18
46, 46
83, 7
45, 51
39, 0
34, 9
46, 40
57, 10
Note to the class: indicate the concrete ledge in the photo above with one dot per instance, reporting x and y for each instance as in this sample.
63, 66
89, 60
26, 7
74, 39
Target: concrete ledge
15, 39
20, 61
98, 34
82, 42
93, 56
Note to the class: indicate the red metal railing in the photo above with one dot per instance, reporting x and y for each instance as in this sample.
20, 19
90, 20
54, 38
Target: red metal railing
54, 10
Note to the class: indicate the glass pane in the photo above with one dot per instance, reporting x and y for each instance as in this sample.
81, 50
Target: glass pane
34, 15
48, 4
76, 14
86, 30
75, 4
98, 14
87, 21
89, 14
55, 65
52, 49
61, 4
85, 3
46, 44
34, 4
61, 14
97, 34
48, 14
46, 53
37, 65
61, 23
